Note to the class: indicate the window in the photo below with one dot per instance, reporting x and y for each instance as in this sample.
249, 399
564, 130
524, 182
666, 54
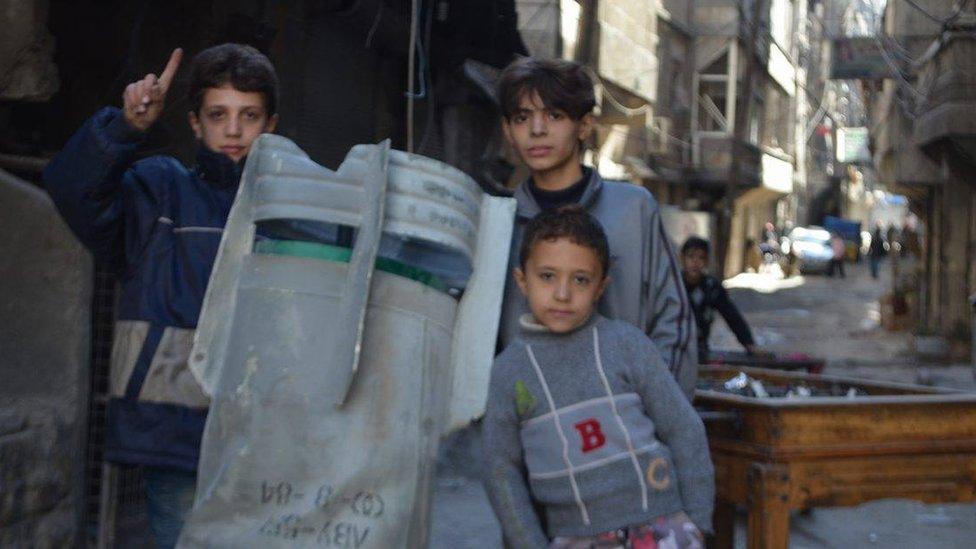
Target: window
712, 100
712, 115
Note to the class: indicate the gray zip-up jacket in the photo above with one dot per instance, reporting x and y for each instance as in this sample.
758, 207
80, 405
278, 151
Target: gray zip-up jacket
647, 290
591, 427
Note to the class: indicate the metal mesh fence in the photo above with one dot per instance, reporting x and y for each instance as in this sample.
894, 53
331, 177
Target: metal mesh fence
103, 305
114, 506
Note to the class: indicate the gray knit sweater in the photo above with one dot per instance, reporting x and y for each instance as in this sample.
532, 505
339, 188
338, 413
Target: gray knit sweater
590, 427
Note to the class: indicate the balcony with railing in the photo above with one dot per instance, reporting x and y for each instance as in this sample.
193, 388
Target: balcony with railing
714, 164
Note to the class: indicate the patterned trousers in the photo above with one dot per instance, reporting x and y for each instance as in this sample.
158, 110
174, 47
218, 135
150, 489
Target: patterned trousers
671, 532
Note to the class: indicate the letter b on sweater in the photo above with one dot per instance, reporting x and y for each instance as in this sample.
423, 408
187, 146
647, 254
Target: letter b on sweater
591, 434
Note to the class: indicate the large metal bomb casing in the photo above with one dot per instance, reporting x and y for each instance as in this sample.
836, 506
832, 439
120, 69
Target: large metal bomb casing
330, 382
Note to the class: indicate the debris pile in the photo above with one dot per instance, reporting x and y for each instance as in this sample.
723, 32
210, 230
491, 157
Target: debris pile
745, 385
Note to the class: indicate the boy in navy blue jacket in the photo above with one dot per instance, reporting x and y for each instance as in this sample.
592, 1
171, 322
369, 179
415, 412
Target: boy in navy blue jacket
158, 225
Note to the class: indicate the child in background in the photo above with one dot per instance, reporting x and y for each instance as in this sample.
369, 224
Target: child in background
708, 296
584, 422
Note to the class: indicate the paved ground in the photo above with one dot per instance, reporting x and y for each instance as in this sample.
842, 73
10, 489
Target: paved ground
837, 319
834, 318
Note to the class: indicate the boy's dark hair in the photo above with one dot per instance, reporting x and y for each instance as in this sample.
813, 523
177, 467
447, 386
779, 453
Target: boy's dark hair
561, 84
570, 222
243, 67
695, 243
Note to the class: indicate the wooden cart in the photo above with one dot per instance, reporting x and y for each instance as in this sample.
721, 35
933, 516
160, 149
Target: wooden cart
777, 455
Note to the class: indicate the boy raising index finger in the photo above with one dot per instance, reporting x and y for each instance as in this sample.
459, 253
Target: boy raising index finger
157, 224
143, 101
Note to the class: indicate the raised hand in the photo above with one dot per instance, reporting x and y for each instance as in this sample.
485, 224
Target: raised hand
142, 101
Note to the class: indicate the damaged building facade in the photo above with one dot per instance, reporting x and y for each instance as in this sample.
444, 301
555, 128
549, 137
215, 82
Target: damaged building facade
924, 146
672, 109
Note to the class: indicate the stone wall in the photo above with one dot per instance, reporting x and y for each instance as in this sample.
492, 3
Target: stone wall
628, 45
27, 70
44, 352
945, 130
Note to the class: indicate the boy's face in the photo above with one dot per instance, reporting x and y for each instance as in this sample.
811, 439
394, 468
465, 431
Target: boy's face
546, 139
230, 120
693, 264
563, 282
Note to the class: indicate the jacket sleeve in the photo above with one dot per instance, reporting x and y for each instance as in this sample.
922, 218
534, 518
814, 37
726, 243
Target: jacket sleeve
735, 320
680, 428
670, 320
92, 186
505, 475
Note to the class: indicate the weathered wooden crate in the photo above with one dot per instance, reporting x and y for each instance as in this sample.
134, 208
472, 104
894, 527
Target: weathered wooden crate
777, 455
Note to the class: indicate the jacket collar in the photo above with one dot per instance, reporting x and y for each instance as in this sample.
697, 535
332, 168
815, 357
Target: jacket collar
218, 169
529, 208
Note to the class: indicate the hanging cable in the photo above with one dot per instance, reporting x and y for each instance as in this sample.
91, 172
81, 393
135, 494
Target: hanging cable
376, 24
957, 11
429, 79
598, 81
410, 60
896, 70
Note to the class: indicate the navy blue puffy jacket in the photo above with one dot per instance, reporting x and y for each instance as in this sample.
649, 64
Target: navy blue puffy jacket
158, 226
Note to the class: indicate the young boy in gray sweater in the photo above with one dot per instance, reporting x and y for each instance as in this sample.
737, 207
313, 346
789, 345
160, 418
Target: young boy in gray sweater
584, 423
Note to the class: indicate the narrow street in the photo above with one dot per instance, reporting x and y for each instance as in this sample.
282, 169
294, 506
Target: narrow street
194, 342
837, 319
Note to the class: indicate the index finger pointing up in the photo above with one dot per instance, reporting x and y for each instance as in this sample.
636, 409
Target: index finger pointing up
170, 70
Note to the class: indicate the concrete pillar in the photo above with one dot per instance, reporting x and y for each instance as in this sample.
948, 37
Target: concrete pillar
735, 257
927, 319
934, 286
46, 278
957, 250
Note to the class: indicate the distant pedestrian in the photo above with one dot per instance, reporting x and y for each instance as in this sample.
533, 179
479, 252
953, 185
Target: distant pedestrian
752, 255
893, 237
769, 246
877, 250
589, 440
837, 262
910, 242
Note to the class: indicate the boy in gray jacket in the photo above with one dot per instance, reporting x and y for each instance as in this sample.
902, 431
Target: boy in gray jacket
547, 109
584, 423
